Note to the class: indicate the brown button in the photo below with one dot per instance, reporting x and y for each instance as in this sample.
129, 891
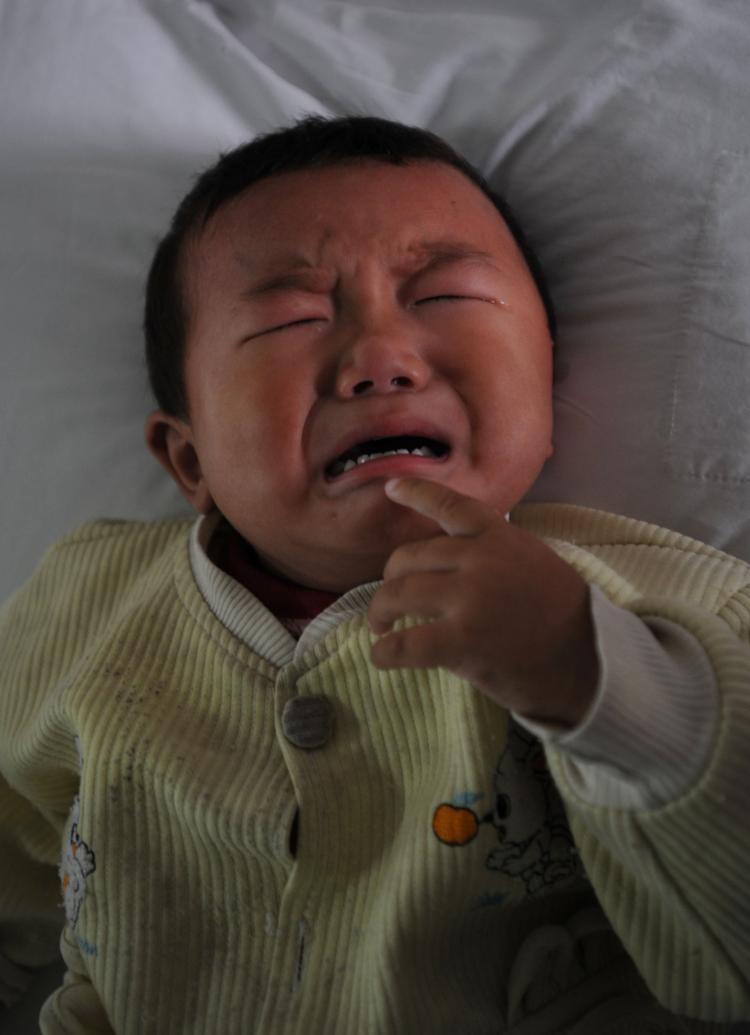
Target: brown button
307, 722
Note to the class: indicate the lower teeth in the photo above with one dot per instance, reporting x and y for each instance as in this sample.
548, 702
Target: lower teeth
421, 451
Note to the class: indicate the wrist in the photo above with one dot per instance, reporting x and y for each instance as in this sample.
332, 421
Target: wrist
566, 708
565, 696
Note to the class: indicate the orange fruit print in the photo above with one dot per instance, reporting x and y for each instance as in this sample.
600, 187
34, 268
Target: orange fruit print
453, 825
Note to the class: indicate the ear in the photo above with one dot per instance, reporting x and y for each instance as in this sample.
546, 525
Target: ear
171, 442
557, 375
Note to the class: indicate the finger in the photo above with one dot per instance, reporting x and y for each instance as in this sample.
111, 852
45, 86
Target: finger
455, 513
422, 646
420, 596
442, 553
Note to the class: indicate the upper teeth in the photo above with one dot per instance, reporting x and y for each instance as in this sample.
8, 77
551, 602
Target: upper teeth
418, 451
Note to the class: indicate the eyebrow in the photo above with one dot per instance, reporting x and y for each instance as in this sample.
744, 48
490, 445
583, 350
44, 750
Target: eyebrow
429, 254
296, 271
293, 273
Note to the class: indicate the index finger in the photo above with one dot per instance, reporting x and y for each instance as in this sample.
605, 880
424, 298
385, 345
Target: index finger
456, 513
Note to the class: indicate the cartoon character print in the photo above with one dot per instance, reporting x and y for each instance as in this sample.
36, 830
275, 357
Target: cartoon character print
535, 843
78, 863
535, 840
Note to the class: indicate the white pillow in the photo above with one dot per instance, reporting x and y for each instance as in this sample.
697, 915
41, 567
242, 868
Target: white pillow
635, 185
617, 134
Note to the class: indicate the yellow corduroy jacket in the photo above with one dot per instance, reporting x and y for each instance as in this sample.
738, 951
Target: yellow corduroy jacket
255, 836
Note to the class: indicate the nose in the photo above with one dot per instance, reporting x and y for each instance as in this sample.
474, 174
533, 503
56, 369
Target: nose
380, 362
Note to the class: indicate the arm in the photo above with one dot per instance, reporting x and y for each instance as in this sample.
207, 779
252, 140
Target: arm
512, 615
651, 727
32, 796
30, 913
667, 845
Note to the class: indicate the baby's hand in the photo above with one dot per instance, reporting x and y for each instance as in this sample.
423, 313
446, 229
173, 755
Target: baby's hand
509, 615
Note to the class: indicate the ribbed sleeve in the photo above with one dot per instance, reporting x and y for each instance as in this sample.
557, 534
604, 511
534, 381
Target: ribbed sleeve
652, 725
71, 597
673, 879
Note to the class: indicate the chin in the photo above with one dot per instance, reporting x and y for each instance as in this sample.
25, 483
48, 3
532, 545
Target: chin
407, 527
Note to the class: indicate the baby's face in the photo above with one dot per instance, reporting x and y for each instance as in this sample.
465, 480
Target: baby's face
330, 307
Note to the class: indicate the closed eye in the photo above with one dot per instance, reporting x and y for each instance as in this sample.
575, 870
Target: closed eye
291, 323
445, 298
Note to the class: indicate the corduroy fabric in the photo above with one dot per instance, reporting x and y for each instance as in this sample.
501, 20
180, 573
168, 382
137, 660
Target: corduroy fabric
148, 739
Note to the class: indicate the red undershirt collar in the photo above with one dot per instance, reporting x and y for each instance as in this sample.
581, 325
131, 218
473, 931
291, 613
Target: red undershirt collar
285, 599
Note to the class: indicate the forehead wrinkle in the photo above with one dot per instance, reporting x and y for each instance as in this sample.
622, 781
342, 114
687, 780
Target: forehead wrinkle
295, 269
299, 258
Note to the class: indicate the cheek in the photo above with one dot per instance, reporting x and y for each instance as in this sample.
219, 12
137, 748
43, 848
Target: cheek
513, 420
253, 403
259, 446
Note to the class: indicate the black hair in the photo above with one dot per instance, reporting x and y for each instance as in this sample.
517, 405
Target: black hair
313, 141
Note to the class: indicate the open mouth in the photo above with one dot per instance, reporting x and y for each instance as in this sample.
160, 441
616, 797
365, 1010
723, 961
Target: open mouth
376, 448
